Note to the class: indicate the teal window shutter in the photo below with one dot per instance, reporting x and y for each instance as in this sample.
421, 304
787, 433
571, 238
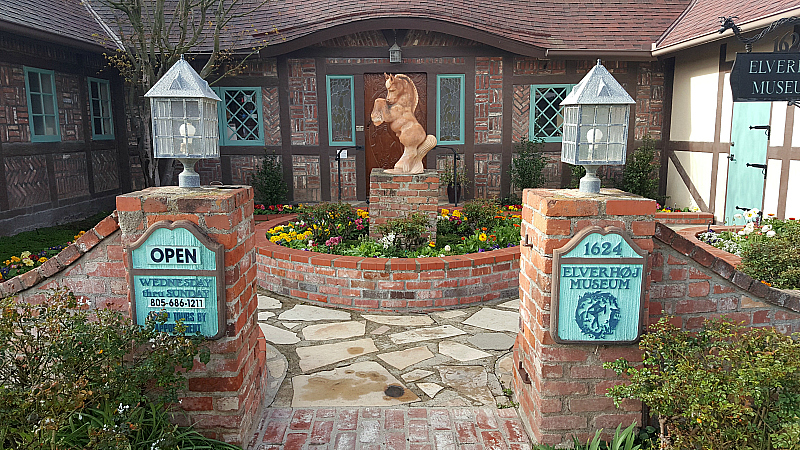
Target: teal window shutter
341, 110
450, 109
40, 90
546, 114
100, 109
241, 120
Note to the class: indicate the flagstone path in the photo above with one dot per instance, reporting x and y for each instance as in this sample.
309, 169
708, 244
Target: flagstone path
343, 379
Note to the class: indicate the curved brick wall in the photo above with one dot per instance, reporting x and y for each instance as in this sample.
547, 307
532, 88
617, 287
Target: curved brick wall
396, 284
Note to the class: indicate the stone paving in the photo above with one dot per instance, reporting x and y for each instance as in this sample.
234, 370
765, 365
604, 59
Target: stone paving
343, 379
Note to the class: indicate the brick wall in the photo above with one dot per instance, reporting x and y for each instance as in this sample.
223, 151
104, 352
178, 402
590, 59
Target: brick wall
306, 178
70, 112
348, 178
488, 100
271, 108
303, 102
649, 101
396, 196
398, 284
488, 172
13, 105
224, 396
693, 281
561, 388
91, 268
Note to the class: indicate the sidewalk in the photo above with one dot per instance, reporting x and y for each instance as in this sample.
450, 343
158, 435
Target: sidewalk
343, 379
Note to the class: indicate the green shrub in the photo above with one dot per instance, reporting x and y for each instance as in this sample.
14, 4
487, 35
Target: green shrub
328, 220
526, 168
640, 175
405, 233
57, 359
773, 259
268, 183
482, 213
719, 388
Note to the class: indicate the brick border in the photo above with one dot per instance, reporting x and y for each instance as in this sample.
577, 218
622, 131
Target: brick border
386, 284
65, 257
685, 218
723, 264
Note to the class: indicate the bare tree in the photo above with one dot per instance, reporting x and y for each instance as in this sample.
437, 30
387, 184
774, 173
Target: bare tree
151, 35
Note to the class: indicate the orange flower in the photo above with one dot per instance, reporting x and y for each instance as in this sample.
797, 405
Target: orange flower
463, 238
483, 229
516, 225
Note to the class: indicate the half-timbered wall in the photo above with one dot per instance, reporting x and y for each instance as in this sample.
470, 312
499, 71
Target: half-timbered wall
696, 162
68, 177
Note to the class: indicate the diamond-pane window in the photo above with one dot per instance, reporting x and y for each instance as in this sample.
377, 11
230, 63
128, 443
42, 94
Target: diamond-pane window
546, 116
100, 109
240, 120
341, 114
450, 109
40, 88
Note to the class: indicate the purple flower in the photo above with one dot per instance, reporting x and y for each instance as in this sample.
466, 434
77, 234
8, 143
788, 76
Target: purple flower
480, 250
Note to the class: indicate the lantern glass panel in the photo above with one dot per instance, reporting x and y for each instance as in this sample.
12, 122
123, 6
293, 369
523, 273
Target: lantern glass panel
618, 114
603, 114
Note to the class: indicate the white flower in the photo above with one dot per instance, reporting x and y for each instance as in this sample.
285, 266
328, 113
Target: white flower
766, 228
695, 209
738, 216
741, 233
752, 214
310, 242
771, 233
447, 248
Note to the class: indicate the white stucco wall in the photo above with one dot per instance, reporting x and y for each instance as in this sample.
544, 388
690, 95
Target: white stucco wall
698, 167
694, 101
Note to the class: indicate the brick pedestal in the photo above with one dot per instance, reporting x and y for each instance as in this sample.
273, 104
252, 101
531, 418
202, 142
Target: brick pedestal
393, 196
224, 395
561, 388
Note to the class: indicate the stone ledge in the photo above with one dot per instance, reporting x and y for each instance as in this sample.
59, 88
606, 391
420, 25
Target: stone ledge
70, 254
724, 264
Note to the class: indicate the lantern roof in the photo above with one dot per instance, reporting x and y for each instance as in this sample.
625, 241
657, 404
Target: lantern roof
181, 80
598, 87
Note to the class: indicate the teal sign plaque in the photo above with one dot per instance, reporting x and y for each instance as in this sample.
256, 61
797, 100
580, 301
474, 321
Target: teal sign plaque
176, 269
598, 288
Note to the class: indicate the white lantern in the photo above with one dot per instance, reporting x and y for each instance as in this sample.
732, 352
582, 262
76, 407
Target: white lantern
395, 54
184, 111
595, 129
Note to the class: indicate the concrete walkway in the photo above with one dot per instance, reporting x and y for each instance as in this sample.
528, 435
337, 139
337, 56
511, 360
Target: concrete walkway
344, 379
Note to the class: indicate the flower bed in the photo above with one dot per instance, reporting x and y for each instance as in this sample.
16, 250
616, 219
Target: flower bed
769, 249
386, 284
340, 230
27, 261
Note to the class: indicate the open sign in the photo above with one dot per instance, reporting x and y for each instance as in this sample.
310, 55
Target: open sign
173, 255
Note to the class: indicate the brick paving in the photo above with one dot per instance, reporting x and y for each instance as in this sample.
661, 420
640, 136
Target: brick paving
395, 428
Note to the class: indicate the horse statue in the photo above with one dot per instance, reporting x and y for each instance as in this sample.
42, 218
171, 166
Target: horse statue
397, 109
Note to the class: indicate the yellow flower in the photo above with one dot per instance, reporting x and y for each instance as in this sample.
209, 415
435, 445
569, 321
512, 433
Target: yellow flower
15, 259
432, 244
6, 262
446, 212
482, 237
42, 259
457, 213
26, 254
274, 238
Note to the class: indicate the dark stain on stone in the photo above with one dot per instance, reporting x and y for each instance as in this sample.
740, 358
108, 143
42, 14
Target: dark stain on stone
355, 350
394, 391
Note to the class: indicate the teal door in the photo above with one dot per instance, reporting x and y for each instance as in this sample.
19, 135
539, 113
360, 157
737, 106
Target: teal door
748, 146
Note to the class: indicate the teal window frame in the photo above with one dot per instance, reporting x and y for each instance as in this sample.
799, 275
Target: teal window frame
351, 142
222, 110
533, 110
98, 115
40, 97
439, 79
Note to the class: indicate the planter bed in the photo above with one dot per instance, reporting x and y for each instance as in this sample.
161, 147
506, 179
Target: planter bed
386, 284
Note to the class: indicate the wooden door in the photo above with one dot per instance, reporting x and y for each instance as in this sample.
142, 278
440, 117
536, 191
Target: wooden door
382, 147
748, 146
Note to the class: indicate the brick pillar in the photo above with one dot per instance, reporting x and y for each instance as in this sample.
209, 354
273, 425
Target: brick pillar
224, 395
561, 388
392, 196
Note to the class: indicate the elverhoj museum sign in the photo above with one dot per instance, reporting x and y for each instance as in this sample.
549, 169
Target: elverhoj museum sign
766, 77
598, 288
176, 269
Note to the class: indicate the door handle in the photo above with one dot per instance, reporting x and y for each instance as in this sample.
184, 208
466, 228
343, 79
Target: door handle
767, 128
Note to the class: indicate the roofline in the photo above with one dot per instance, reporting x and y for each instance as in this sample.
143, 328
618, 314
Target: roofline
34, 33
628, 55
716, 36
381, 23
